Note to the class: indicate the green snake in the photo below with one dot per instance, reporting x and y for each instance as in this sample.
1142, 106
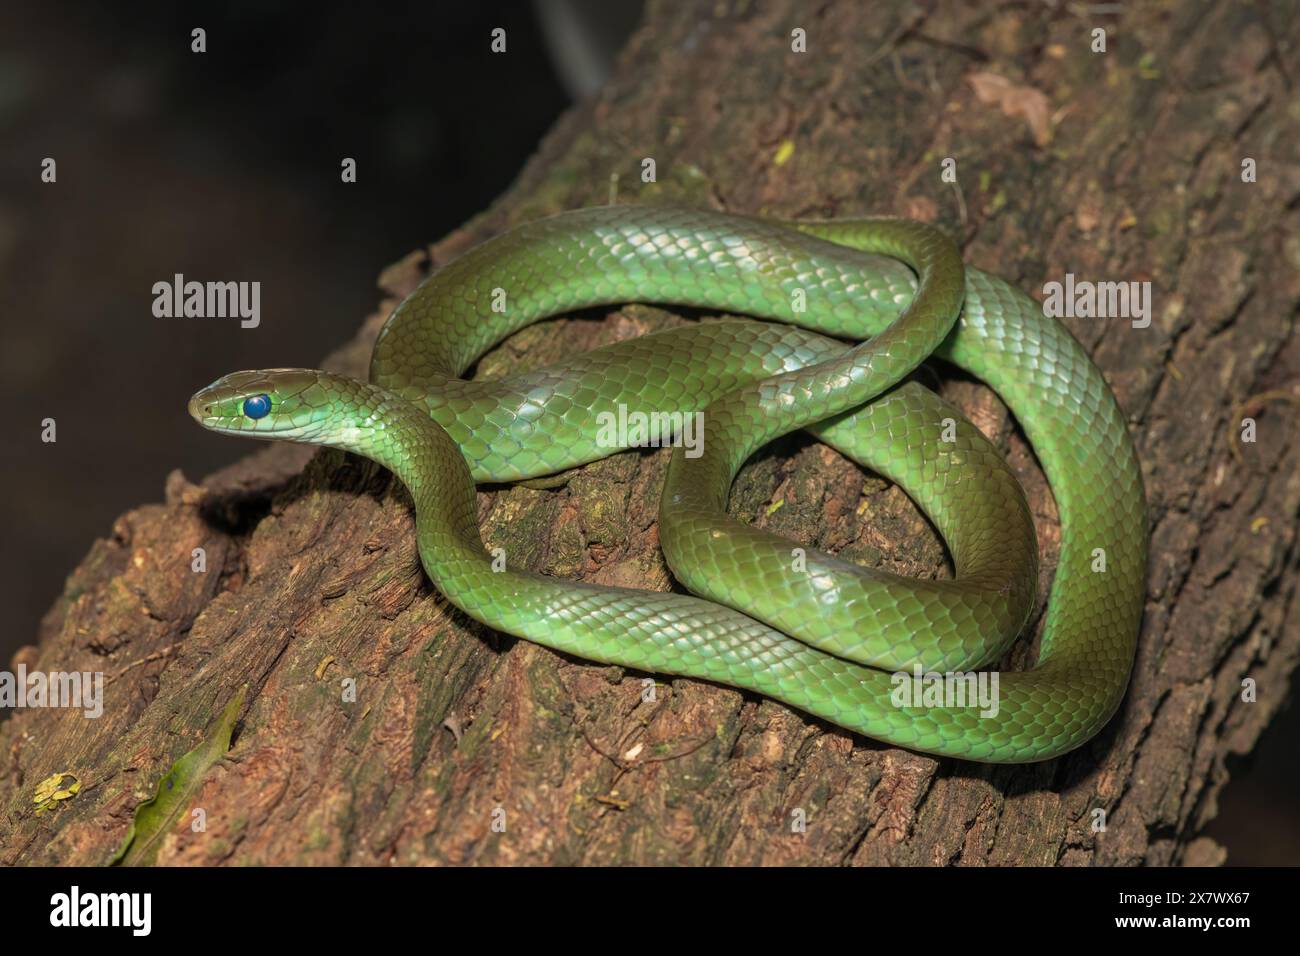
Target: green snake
812, 630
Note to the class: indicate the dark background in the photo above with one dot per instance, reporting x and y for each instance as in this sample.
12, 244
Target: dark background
226, 166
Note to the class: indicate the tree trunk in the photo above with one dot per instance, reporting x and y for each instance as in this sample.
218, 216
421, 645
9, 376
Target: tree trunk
464, 745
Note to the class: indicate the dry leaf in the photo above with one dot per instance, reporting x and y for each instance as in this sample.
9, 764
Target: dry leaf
1015, 100
1088, 214
921, 207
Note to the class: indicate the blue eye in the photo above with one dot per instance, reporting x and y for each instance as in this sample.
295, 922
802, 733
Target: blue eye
257, 406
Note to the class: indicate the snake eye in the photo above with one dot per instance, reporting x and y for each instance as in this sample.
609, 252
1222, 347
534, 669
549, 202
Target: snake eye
257, 406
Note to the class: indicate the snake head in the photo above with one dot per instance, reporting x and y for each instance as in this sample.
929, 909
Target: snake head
282, 403
319, 408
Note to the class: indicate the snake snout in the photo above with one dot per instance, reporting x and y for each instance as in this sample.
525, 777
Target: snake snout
200, 407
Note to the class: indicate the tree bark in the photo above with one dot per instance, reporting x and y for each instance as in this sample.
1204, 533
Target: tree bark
1116, 166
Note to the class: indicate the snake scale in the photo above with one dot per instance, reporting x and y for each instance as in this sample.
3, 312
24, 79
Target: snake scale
804, 627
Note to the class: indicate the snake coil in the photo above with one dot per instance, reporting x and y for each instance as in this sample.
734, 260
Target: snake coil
835, 640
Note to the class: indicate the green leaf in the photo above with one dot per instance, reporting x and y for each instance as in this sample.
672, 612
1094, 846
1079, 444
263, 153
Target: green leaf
155, 817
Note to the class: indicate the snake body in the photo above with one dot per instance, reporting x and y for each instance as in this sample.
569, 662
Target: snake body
818, 633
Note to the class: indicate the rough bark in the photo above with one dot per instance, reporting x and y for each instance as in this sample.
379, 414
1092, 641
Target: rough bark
1128, 168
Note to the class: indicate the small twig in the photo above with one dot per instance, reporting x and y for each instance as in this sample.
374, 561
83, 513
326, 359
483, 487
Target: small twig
1240, 409
149, 659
